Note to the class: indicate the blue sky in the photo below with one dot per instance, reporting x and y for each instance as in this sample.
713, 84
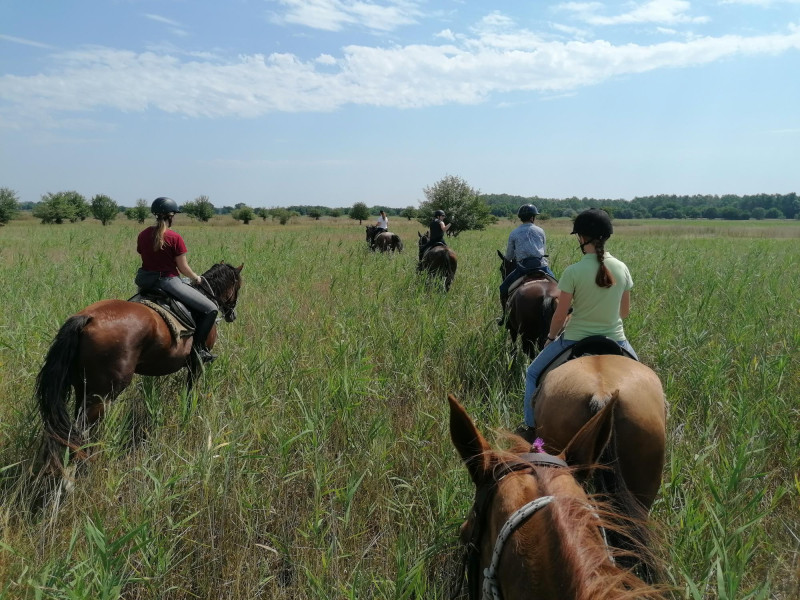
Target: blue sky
331, 102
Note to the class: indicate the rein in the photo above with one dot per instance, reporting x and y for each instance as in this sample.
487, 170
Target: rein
228, 310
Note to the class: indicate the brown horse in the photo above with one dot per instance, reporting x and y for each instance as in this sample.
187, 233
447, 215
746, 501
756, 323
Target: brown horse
533, 533
530, 307
97, 351
438, 261
384, 241
571, 395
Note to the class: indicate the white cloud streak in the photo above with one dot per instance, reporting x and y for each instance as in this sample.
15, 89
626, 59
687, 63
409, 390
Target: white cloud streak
400, 77
24, 42
664, 12
335, 15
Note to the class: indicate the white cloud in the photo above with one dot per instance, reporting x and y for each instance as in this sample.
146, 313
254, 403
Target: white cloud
652, 11
335, 15
174, 26
24, 42
404, 76
446, 34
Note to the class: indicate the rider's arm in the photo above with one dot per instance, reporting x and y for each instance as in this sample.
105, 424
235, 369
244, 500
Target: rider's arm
445, 227
625, 304
560, 316
183, 266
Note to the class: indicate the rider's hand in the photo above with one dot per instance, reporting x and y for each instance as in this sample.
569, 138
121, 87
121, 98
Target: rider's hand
198, 280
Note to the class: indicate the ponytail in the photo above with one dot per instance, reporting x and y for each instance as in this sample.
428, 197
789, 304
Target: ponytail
604, 277
163, 223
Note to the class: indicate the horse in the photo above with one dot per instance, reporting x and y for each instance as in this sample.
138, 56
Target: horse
571, 394
530, 307
97, 351
384, 241
439, 261
533, 533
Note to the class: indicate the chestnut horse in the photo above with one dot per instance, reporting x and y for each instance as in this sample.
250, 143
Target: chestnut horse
530, 307
571, 394
97, 351
384, 241
533, 533
438, 261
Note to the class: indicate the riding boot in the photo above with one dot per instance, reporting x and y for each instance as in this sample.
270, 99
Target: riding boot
503, 301
204, 324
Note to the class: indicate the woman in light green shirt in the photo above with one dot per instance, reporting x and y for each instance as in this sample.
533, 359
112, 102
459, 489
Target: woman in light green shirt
597, 288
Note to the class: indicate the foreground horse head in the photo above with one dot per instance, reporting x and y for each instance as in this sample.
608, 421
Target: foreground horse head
98, 350
572, 394
438, 261
531, 305
533, 533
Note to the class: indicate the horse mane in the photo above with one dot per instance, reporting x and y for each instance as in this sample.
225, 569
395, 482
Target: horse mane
571, 519
221, 276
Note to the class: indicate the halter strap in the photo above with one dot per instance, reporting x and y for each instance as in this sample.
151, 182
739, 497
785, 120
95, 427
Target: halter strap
490, 588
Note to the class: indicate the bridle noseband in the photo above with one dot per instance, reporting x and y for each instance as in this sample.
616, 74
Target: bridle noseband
228, 309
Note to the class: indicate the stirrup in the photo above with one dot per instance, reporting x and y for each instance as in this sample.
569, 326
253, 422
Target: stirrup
203, 354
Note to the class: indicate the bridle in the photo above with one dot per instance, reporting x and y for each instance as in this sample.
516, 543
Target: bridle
483, 497
228, 307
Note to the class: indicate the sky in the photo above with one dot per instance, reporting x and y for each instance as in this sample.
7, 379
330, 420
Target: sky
332, 102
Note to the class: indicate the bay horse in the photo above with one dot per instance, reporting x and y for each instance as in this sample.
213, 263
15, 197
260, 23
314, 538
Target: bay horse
438, 261
573, 393
97, 351
533, 533
530, 309
384, 241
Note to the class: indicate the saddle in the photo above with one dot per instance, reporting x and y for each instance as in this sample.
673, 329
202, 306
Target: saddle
178, 317
532, 275
591, 346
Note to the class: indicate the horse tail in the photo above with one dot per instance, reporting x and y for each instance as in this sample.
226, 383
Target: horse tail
549, 305
54, 384
633, 536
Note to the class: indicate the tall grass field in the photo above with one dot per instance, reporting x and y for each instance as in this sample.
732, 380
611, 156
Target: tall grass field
314, 460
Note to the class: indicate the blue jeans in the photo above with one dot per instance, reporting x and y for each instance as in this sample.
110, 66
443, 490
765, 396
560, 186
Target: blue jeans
539, 363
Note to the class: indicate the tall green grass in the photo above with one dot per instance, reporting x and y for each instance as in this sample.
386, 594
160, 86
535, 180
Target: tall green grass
314, 461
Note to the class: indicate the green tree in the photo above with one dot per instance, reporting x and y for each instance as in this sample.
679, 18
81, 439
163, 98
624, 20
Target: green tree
139, 212
315, 214
463, 205
80, 208
409, 212
55, 208
9, 205
104, 209
774, 213
200, 208
243, 213
335, 212
758, 213
359, 211
262, 212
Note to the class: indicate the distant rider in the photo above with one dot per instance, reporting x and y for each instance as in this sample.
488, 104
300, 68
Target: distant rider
163, 254
437, 231
381, 226
527, 245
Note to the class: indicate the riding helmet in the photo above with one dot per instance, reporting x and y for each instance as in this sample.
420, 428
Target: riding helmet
593, 223
526, 211
163, 206
438, 213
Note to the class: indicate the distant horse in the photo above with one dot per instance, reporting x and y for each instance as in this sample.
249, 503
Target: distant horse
97, 351
384, 241
533, 533
571, 394
531, 305
438, 261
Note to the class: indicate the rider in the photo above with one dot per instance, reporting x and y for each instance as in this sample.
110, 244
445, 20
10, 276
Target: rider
163, 254
527, 245
437, 231
597, 287
382, 226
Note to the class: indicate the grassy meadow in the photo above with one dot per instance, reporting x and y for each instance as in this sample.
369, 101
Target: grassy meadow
315, 462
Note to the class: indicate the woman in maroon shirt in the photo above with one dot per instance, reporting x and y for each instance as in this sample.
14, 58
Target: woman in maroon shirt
163, 254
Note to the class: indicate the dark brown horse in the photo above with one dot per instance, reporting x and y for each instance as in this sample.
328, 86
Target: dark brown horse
571, 395
438, 261
533, 533
97, 351
530, 307
384, 241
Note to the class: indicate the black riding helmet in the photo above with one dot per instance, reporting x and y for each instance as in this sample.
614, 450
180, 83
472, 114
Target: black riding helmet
163, 206
526, 211
438, 213
594, 224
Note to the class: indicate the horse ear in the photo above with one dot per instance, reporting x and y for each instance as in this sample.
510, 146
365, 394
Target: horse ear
419, 234
586, 447
469, 442
240, 267
500, 254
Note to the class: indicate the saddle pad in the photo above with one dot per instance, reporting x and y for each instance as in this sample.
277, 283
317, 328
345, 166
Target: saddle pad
176, 328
